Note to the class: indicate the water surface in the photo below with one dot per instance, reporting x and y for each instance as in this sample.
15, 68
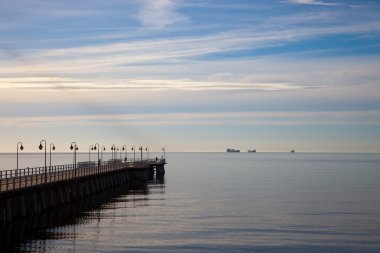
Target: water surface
230, 202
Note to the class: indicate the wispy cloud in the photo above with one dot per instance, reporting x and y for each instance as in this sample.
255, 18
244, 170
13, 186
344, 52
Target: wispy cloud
270, 74
260, 74
188, 62
192, 46
160, 13
202, 119
316, 2
58, 84
116, 56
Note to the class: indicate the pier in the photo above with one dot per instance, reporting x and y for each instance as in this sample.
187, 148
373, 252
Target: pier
32, 191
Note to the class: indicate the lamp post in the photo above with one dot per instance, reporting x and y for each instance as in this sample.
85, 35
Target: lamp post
89, 154
134, 153
103, 149
147, 149
125, 148
141, 149
21, 148
41, 147
113, 149
163, 149
97, 144
75, 148
51, 147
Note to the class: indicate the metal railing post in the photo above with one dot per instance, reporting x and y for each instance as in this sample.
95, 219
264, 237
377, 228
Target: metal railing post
6, 175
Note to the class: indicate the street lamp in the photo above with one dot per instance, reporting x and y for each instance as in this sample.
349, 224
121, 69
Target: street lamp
141, 149
97, 144
147, 149
103, 149
89, 154
41, 147
134, 153
21, 148
125, 148
113, 149
163, 149
51, 147
75, 148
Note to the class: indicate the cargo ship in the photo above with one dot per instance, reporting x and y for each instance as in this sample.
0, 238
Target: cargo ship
232, 150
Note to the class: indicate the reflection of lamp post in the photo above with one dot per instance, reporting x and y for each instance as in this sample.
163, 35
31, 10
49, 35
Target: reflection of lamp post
147, 149
163, 149
141, 149
51, 147
41, 147
134, 153
21, 148
89, 154
75, 148
125, 148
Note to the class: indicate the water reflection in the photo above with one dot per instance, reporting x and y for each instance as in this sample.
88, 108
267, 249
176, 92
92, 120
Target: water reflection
31, 234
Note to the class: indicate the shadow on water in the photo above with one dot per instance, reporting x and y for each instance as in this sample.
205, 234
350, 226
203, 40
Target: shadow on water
21, 235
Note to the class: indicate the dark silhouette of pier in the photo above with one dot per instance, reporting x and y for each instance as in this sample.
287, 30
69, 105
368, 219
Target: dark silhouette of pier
24, 235
32, 191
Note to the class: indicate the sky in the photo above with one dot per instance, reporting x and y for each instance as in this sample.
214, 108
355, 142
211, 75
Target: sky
191, 75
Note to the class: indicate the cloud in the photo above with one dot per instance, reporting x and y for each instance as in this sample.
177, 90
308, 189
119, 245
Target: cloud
164, 63
160, 13
269, 74
117, 56
315, 2
201, 119
58, 84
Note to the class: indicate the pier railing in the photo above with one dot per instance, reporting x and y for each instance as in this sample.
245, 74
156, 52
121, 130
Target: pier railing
28, 177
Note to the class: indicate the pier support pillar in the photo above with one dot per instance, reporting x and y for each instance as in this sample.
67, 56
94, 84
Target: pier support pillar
8, 210
22, 206
2, 211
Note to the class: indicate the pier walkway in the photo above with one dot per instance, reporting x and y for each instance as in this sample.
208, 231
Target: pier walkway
30, 177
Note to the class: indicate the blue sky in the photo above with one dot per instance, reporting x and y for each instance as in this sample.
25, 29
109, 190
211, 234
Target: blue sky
191, 75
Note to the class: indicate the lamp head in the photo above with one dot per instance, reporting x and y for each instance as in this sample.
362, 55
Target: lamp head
40, 146
21, 147
53, 147
95, 147
71, 147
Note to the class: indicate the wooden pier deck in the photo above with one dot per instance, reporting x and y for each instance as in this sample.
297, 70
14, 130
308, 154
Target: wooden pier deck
30, 177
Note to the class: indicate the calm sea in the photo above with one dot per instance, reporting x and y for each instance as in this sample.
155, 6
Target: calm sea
220, 202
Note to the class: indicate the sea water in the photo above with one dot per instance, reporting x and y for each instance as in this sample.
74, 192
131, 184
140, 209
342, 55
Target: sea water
225, 202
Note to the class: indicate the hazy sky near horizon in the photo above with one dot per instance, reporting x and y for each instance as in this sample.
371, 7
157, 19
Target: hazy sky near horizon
194, 75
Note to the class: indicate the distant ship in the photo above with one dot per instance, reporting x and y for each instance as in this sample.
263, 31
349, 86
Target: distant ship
252, 151
232, 150
292, 151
